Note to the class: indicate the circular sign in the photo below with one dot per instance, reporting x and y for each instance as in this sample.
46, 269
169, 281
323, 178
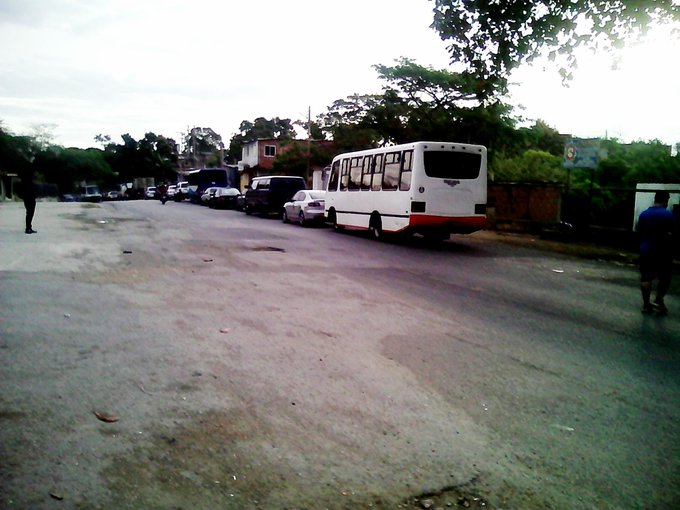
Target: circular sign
570, 153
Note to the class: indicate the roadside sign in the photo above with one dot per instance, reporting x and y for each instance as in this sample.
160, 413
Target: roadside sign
581, 154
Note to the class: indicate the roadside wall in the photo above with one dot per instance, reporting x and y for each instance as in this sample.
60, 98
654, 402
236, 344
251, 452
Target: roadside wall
524, 206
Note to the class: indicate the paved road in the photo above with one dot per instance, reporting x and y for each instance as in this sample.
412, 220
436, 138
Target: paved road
252, 364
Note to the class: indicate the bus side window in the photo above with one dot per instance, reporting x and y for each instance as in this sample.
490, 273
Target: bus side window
355, 174
406, 167
335, 176
377, 172
391, 175
366, 173
344, 175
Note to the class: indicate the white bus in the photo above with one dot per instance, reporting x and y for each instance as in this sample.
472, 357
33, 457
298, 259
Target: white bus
431, 188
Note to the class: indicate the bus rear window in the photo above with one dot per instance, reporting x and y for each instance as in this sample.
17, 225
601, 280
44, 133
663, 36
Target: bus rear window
452, 165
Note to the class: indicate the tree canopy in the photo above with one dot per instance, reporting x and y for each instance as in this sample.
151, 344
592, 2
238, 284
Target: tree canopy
201, 144
490, 37
418, 103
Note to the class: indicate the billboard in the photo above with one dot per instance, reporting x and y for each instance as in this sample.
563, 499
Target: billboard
582, 153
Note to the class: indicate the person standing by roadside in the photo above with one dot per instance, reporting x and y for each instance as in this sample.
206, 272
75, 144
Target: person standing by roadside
656, 228
28, 196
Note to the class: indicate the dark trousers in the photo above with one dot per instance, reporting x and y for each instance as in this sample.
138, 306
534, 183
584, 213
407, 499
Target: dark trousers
29, 203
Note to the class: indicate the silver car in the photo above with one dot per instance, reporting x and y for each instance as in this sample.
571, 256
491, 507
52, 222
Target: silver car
208, 194
305, 207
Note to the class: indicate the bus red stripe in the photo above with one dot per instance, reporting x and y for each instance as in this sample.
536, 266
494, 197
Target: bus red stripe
425, 220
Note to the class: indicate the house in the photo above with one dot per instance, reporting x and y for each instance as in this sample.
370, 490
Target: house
257, 157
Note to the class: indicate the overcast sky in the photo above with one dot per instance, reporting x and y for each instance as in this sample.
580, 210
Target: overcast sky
133, 66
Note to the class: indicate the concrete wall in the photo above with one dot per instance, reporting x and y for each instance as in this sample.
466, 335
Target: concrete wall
522, 206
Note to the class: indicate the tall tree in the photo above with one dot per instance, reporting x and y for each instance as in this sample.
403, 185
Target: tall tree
492, 37
200, 144
16, 152
349, 122
68, 167
418, 103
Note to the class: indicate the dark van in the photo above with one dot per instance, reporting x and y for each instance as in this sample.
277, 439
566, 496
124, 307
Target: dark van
268, 194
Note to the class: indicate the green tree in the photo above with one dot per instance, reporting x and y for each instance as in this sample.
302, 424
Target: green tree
542, 137
68, 167
531, 166
351, 124
152, 156
295, 161
629, 164
491, 38
158, 154
17, 152
419, 103
201, 144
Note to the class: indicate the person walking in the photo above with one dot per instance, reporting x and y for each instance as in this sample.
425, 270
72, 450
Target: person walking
656, 228
28, 196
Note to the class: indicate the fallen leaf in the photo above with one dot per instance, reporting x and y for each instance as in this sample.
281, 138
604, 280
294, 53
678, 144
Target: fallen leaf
207, 260
224, 330
56, 496
108, 418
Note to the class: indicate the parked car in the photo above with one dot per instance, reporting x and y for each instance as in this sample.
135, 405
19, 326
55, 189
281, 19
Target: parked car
181, 191
225, 198
306, 206
208, 194
267, 195
90, 194
170, 192
150, 192
240, 202
113, 195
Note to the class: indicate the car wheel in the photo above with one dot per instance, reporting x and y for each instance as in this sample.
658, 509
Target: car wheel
284, 217
301, 219
246, 209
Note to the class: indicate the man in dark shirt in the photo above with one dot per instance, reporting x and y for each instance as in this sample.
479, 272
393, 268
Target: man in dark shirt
656, 228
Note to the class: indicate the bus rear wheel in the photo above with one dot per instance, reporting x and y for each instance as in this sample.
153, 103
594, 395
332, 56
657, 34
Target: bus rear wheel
375, 227
333, 220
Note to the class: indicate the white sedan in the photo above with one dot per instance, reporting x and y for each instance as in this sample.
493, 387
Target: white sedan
305, 207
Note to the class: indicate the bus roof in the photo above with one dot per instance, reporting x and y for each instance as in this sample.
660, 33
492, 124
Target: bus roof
413, 145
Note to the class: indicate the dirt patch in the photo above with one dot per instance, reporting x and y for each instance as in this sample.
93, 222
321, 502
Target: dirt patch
201, 465
229, 460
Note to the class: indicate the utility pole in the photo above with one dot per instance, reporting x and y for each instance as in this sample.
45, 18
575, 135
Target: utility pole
309, 139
